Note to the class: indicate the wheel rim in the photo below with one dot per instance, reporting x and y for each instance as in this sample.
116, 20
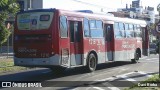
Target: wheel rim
92, 63
137, 56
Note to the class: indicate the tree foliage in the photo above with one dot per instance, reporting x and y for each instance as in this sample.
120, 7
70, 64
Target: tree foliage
7, 7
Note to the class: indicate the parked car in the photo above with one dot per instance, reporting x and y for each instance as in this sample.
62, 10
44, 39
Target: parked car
157, 48
153, 48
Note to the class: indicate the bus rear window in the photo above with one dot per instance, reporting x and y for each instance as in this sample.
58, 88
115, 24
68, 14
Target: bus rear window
44, 17
34, 20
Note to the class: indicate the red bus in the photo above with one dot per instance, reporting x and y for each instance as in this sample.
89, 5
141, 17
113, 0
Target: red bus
59, 39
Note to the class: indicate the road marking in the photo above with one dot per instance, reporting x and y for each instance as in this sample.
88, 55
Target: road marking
146, 74
113, 88
155, 61
106, 79
112, 78
98, 88
152, 58
126, 78
125, 74
143, 57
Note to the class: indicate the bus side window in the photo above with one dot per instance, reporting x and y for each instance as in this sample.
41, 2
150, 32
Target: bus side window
117, 30
86, 28
96, 28
71, 31
78, 28
138, 32
63, 26
131, 30
128, 31
108, 36
122, 29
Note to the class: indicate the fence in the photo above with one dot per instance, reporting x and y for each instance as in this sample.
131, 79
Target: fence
6, 50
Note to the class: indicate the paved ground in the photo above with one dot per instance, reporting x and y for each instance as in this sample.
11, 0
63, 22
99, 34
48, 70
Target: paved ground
110, 76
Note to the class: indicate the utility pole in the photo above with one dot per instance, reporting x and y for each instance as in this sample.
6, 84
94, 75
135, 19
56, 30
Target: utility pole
158, 30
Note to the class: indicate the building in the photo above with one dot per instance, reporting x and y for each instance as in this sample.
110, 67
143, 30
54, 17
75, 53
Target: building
30, 4
136, 4
136, 10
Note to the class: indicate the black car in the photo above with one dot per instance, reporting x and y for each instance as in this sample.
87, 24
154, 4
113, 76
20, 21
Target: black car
153, 48
157, 50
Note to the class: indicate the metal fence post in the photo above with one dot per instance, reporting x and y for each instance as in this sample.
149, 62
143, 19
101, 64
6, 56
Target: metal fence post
8, 47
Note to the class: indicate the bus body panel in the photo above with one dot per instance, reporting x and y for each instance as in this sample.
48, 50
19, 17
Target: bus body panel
46, 47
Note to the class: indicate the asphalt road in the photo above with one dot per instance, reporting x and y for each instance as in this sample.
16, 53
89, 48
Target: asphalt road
123, 74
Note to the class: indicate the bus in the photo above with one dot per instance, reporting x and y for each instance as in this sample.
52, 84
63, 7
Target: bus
60, 39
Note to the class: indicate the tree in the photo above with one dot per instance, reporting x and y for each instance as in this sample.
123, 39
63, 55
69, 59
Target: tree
6, 7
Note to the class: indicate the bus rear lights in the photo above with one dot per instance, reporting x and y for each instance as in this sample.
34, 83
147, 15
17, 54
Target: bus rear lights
49, 36
53, 53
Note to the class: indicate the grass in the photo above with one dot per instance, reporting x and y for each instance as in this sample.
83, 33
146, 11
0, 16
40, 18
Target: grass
154, 79
7, 65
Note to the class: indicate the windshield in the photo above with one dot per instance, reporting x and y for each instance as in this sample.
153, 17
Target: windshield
34, 20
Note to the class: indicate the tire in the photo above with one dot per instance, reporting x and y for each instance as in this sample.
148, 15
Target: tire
58, 70
91, 62
136, 58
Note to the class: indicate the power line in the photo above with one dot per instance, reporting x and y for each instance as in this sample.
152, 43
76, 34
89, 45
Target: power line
102, 7
99, 6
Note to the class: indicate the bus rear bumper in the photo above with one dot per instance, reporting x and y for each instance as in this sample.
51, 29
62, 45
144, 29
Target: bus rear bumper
37, 62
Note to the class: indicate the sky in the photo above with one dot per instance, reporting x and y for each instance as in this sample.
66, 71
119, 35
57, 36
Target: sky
95, 5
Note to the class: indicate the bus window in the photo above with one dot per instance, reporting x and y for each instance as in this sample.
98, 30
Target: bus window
121, 27
78, 28
117, 30
131, 28
86, 28
63, 26
96, 28
72, 31
34, 21
138, 32
98, 24
44, 17
92, 24
128, 31
108, 36
75, 28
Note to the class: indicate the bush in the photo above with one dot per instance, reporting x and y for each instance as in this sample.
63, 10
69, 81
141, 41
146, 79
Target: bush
4, 34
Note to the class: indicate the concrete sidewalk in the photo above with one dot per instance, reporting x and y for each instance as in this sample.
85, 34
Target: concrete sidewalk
6, 55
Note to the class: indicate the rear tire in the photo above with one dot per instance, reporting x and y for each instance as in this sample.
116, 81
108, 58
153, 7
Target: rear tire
136, 58
91, 62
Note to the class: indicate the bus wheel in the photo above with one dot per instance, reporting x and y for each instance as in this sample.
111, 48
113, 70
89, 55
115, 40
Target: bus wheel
92, 63
136, 58
58, 70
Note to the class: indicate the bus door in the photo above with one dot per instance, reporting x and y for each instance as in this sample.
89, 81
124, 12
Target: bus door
76, 42
109, 42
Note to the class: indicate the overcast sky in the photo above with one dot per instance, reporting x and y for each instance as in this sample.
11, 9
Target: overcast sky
109, 5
